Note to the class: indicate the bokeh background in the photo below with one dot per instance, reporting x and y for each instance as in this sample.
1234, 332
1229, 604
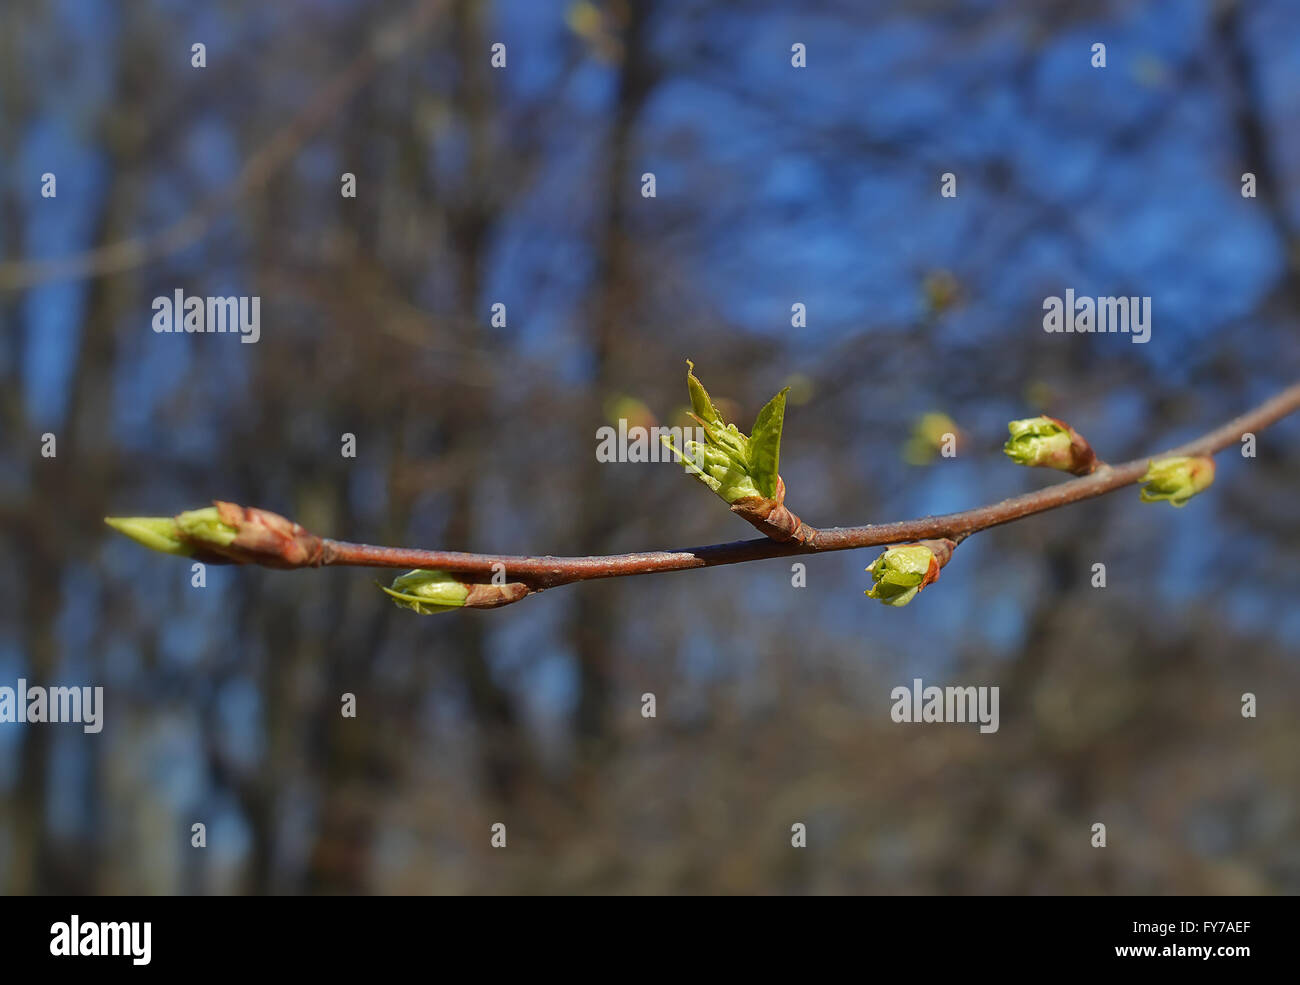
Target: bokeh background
522, 185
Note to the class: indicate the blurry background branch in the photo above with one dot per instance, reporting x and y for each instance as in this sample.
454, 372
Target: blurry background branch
390, 42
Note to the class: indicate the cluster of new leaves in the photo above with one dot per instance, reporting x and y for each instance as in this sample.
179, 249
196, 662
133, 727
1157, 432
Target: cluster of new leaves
734, 465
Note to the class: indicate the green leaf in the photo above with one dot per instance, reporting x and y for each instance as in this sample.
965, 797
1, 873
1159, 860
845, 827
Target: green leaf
700, 401
159, 533
765, 444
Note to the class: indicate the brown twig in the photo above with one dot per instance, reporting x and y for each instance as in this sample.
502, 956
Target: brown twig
539, 573
227, 533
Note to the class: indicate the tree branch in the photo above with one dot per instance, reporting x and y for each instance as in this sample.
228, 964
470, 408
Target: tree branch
539, 573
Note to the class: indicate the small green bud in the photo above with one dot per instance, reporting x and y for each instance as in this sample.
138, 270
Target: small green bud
900, 573
206, 527
1047, 442
927, 438
428, 592
1177, 479
158, 533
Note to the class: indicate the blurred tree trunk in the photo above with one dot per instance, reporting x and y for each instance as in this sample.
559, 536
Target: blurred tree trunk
593, 625
1257, 152
65, 518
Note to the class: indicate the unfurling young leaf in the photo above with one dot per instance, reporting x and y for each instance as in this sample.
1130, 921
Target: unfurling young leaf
158, 533
765, 444
734, 465
701, 403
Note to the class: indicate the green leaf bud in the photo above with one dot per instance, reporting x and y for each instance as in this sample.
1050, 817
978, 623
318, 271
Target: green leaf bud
1177, 479
428, 592
1051, 443
901, 572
